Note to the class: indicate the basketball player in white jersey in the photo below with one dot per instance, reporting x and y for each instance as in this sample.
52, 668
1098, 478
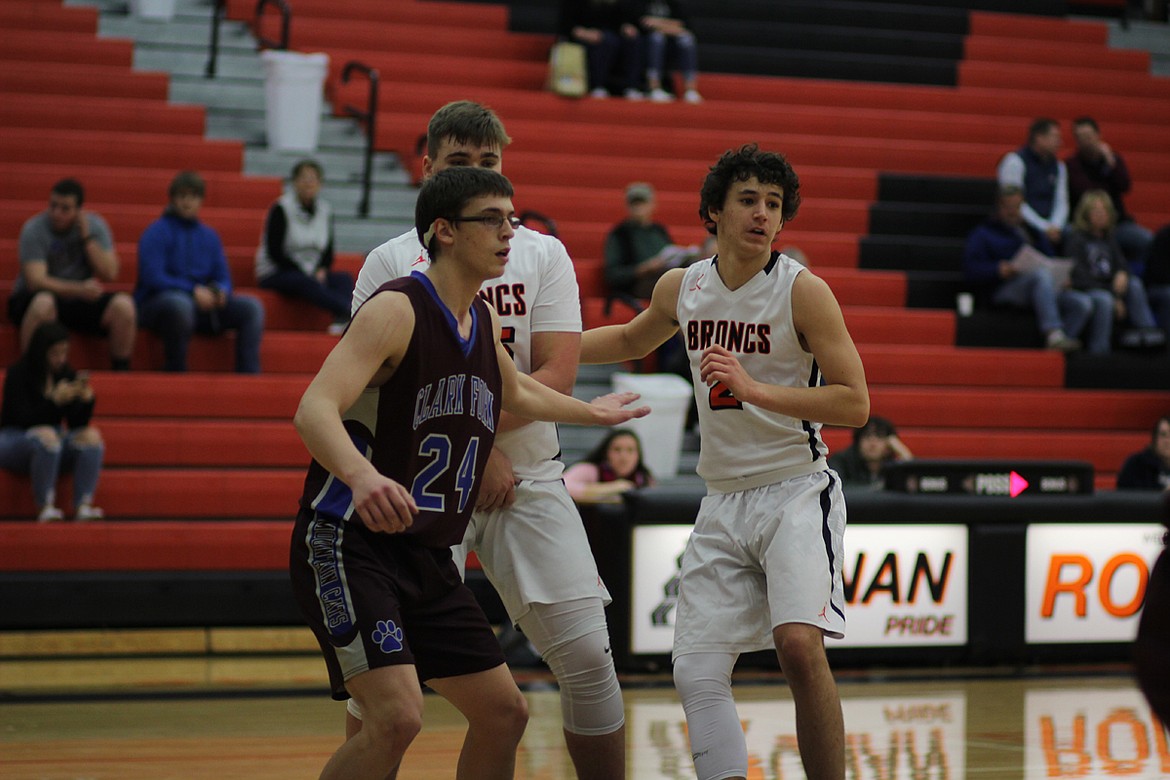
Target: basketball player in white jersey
526, 530
771, 360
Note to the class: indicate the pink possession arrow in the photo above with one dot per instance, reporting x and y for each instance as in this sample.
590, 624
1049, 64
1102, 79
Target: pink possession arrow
1017, 484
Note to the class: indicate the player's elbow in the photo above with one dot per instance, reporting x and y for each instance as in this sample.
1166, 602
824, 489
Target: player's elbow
303, 416
858, 411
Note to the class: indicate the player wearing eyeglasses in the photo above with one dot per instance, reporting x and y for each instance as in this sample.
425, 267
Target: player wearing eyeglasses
526, 529
400, 420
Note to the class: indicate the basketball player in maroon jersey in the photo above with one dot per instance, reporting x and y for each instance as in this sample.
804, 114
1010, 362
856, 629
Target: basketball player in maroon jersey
399, 421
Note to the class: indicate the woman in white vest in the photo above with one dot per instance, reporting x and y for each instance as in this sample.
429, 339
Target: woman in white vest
296, 251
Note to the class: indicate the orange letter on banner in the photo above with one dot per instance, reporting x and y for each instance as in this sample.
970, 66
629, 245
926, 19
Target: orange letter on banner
1076, 588
1103, 587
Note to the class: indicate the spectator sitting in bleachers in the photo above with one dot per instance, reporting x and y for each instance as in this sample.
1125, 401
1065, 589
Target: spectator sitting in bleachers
666, 30
1061, 314
1101, 272
184, 285
1149, 468
875, 446
608, 30
611, 468
639, 250
44, 425
296, 251
1096, 166
1042, 177
67, 257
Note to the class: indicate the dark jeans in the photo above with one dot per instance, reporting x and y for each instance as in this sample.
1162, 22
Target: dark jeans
174, 317
333, 296
602, 56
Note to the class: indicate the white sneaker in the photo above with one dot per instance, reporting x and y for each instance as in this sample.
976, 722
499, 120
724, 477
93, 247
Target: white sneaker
693, 96
660, 95
633, 94
1059, 341
50, 514
85, 512
600, 93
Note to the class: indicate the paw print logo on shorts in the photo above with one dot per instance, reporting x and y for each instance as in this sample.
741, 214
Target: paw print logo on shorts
388, 636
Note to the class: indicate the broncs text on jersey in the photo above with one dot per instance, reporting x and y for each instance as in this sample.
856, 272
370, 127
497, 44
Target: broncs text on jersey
742, 337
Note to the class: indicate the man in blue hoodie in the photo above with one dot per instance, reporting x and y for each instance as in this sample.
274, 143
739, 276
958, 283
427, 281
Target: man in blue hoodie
184, 285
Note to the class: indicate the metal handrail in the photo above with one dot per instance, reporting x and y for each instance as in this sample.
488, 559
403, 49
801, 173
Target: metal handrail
369, 118
285, 20
217, 15
535, 216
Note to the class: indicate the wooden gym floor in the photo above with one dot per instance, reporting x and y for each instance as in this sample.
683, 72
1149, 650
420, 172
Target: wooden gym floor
225, 715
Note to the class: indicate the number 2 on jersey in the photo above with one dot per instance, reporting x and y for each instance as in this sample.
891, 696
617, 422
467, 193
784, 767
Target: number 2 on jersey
437, 447
721, 397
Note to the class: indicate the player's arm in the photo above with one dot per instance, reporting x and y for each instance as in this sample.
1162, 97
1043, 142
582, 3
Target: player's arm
526, 397
844, 397
368, 353
554, 364
638, 337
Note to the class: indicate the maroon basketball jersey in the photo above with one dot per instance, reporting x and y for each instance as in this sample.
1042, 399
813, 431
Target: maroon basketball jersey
431, 426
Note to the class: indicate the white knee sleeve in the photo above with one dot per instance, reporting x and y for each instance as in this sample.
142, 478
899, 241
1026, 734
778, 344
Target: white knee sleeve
353, 708
574, 642
718, 746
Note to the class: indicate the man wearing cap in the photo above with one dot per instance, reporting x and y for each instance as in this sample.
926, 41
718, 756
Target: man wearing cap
639, 250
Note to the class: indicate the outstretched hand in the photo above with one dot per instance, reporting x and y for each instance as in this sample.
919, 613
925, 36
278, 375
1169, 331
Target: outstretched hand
612, 409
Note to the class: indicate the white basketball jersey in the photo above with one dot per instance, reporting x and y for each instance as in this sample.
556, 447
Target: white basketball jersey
744, 446
537, 293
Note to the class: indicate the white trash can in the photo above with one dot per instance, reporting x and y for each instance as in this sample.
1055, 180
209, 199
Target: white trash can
293, 96
661, 431
154, 10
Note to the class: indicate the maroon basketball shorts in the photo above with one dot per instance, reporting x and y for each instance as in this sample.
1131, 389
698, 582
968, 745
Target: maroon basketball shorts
375, 600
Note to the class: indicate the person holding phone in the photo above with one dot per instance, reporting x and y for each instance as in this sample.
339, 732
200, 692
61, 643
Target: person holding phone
45, 426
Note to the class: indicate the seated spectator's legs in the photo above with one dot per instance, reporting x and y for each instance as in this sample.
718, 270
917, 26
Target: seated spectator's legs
601, 56
244, 314
685, 54
1075, 309
113, 315
84, 453
1135, 243
1033, 290
341, 282
1137, 305
631, 48
331, 296
688, 58
30, 311
36, 452
1159, 297
1099, 338
655, 46
120, 320
171, 315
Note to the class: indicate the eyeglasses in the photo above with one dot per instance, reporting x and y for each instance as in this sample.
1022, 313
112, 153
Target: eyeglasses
493, 221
